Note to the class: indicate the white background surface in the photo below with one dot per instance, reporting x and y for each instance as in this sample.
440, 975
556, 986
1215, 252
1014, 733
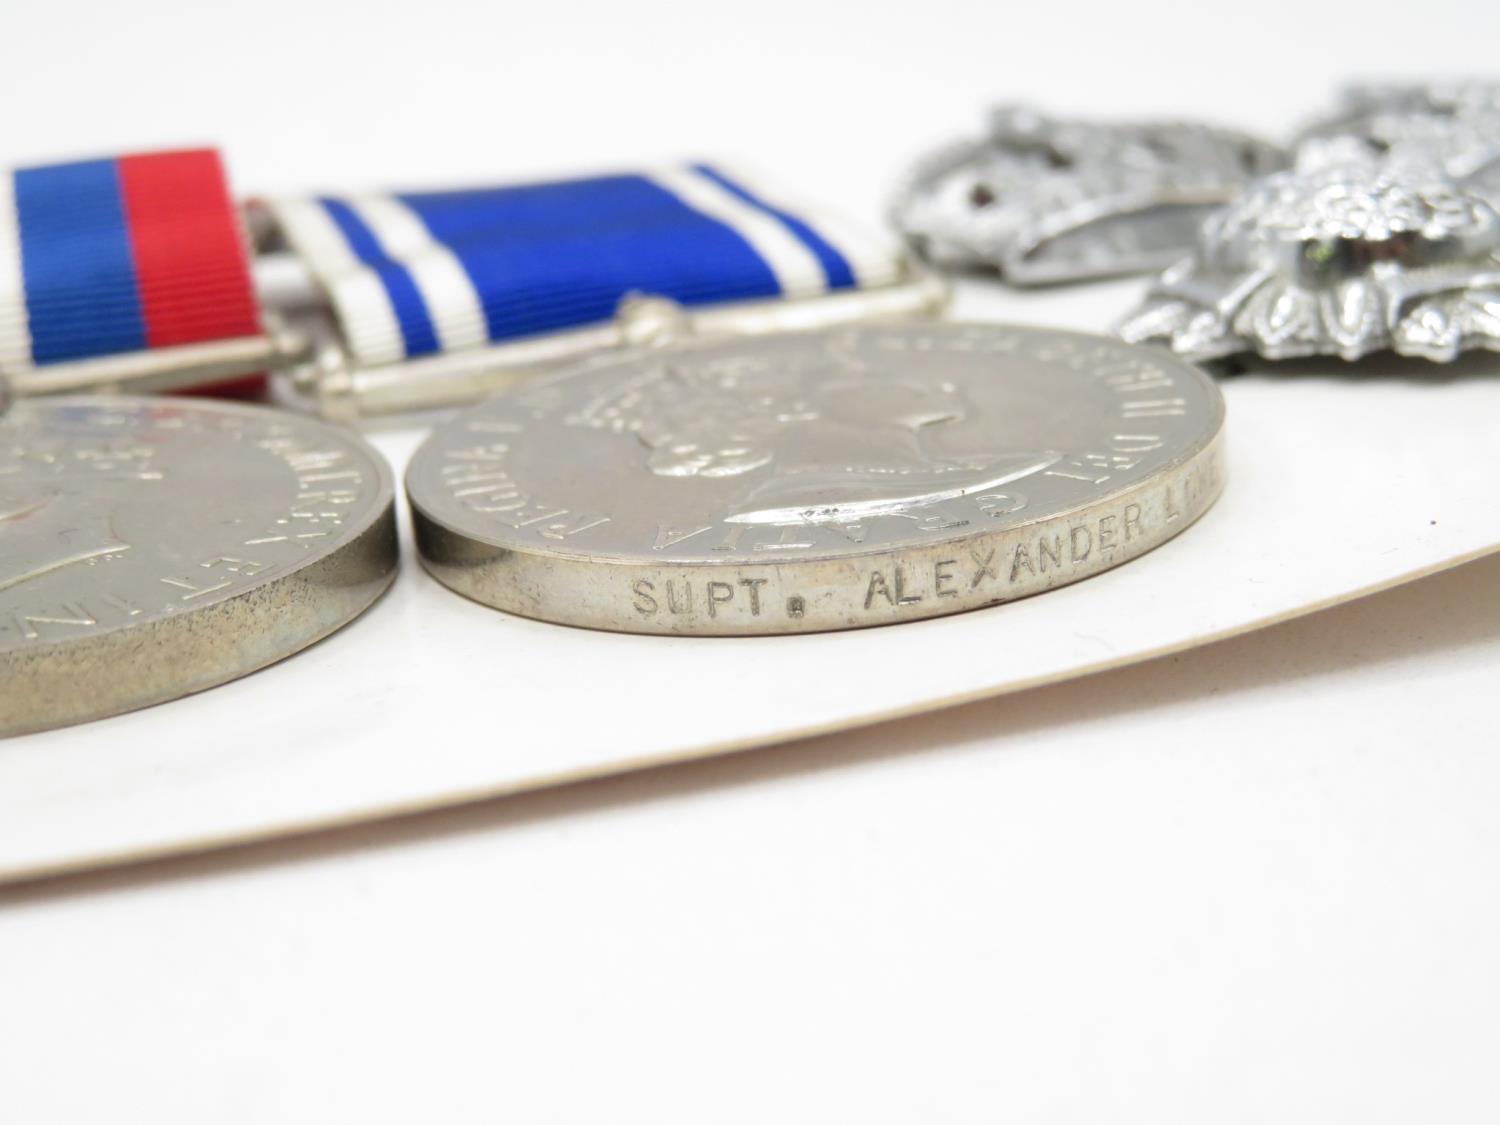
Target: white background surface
328, 737
1253, 883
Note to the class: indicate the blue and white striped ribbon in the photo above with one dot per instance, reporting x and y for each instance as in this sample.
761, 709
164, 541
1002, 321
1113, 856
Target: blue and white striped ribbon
420, 273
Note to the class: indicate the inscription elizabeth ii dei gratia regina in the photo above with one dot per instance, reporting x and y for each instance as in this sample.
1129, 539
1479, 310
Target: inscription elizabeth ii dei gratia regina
818, 480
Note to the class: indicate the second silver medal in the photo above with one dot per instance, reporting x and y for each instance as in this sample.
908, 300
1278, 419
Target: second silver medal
819, 480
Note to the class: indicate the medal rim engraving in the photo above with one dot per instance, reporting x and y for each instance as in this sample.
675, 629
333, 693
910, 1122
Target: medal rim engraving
566, 585
128, 665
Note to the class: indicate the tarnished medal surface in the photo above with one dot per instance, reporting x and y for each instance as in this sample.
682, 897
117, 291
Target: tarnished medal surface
820, 480
154, 547
1043, 200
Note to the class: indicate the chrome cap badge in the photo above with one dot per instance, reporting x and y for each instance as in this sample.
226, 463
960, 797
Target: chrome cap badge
1043, 200
1353, 252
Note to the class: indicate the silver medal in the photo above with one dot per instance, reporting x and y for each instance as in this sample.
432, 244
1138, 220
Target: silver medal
1349, 254
819, 480
154, 547
1045, 201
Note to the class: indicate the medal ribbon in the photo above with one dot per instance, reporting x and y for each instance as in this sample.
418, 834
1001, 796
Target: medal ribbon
415, 274
118, 255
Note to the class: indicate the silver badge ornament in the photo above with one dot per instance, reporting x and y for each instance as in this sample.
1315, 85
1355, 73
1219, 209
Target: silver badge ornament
1350, 254
1456, 124
1044, 201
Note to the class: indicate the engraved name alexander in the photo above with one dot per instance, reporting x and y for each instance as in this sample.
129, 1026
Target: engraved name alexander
977, 574
887, 586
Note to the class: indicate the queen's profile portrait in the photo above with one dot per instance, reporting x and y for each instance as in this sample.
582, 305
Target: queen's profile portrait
832, 437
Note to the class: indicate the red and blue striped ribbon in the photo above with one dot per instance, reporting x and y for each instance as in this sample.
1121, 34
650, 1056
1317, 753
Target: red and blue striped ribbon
132, 253
100, 257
